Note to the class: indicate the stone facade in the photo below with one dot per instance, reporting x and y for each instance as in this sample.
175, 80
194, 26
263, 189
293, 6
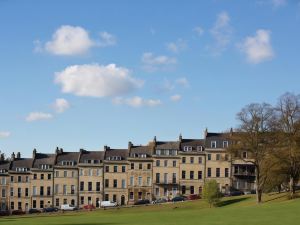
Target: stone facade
160, 169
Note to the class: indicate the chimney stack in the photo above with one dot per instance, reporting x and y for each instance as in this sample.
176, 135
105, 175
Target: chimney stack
205, 132
33, 153
231, 131
13, 156
57, 151
18, 155
180, 137
2, 158
129, 145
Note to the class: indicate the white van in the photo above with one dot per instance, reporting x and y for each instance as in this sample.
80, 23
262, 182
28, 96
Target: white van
67, 207
108, 204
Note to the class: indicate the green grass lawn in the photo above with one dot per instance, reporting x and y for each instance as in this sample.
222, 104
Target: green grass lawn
234, 211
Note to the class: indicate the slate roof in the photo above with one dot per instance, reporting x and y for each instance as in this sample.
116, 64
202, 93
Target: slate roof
167, 145
91, 155
218, 137
4, 165
42, 158
194, 143
67, 156
141, 150
21, 163
123, 153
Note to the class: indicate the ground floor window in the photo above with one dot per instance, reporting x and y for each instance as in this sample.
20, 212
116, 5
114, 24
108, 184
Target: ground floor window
183, 190
114, 198
34, 204
106, 197
157, 191
131, 195
57, 202
165, 191
200, 190
19, 205
12, 205
81, 200
73, 202
89, 200
140, 195
41, 204
65, 201
192, 190
97, 202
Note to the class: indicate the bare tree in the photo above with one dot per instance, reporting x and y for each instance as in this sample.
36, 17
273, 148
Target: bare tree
253, 136
288, 136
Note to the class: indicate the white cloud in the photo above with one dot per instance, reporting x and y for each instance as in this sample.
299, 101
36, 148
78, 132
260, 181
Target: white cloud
177, 46
183, 82
61, 105
34, 116
258, 48
221, 33
152, 62
136, 101
97, 80
199, 31
107, 39
73, 40
4, 134
175, 98
69, 40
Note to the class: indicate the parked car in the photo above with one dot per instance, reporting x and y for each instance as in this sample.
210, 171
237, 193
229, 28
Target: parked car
50, 209
160, 200
89, 207
31, 211
67, 207
142, 202
178, 199
193, 197
4, 213
108, 204
235, 193
18, 212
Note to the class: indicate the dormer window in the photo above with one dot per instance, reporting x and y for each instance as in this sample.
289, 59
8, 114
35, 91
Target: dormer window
2, 171
200, 148
158, 152
244, 155
68, 163
225, 144
187, 148
213, 144
115, 158
22, 169
45, 166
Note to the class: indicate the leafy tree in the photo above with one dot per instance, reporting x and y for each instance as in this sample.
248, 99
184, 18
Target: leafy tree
211, 192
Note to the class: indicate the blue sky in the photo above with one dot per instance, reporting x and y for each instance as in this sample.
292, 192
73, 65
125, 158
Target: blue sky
83, 74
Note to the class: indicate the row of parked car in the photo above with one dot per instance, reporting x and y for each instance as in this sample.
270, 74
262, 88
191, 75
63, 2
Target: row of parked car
103, 204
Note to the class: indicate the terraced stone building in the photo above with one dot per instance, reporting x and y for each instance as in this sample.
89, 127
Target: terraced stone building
159, 169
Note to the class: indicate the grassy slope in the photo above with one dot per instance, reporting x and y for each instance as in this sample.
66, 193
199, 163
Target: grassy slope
236, 211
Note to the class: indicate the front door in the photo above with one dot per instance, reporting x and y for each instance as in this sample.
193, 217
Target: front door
122, 200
